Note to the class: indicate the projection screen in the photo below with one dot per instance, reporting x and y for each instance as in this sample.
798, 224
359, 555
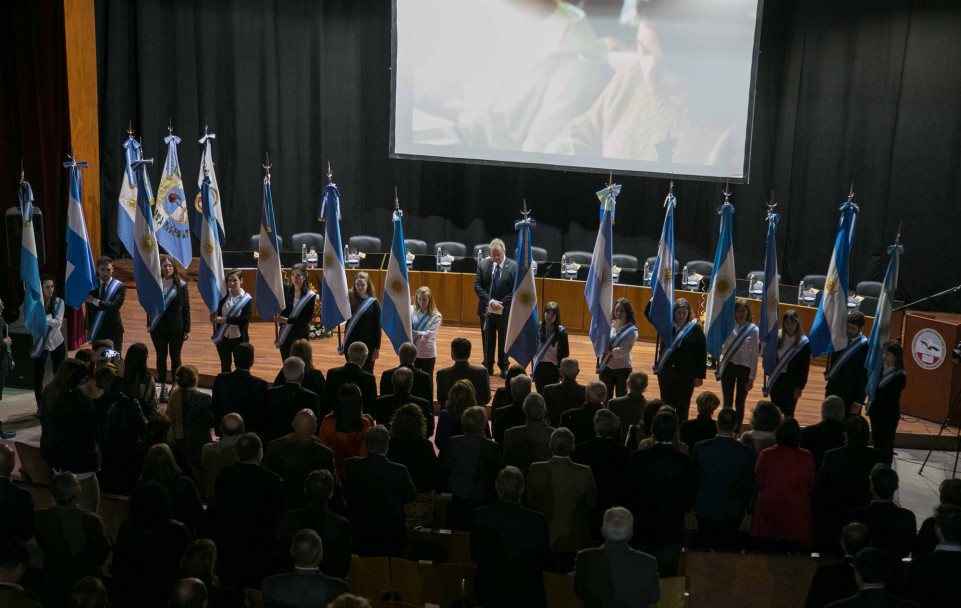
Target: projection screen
656, 87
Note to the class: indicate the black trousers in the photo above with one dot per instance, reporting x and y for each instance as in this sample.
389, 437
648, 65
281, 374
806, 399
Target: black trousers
225, 349
57, 355
165, 342
426, 365
882, 432
782, 395
496, 334
546, 373
616, 379
676, 391
734, 389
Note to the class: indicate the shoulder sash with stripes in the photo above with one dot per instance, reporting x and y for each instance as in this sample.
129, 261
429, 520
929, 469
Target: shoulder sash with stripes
846, 354
886, 379
169, 296
422, 323
233, 311
733, 347
307, 298
41, 344
678, 338
354, 318
98, 318
546, 346
782, 364
616, 340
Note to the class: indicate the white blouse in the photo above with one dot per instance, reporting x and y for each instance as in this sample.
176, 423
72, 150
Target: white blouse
425, 340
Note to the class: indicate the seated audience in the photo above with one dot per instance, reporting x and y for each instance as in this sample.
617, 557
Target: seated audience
580, 420
463, 370
16, 503
239, 391
530, 443
835, 581
871, 569
764, 421
422, 386
460, 398
306, 586
284, 401
344, 428
630, 407
702, 427
566, 394
137, 382
827, 434
352, 372
199, 561
607, 459
313, 379
294, 456
948, 493
932, 579
402, 380
410, 447
159, 467
219, 454
471, 464
512, 414
191, 419
14, 563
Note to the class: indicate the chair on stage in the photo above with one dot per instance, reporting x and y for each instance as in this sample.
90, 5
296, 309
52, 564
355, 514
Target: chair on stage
458, 250
255, 242
364, 243
415, 246
677, 268
623, 260
869, 288
485, 250
703, 268
868, 306
816, 281
539, 254
579, 257
310, 239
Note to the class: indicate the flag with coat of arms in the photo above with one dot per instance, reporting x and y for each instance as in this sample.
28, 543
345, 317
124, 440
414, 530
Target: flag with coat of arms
170, 208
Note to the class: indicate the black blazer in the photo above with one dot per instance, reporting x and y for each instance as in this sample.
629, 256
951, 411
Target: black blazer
176, 319
629, 408
242, 321
314, 382
241, 392
832, 582
932, 579
561, 397
282, 403
302, 588
507, 417
386, 405
842, 485
849, 382
608, 461
887, 400
293, 457
505, 290
659, 488
376, 490
420, 459
580, 421
690, 356
726, 478
351, 372
367, 329
299, 325
563, 343
821, 437
112, 322
422, 383
333, 530
616, 575
462, 370
796, 374
16, 504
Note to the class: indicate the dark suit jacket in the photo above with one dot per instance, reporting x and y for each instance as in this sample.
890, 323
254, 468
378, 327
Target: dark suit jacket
16, 504
525, 445
849, 382
690, 356
302, 589
832, 582
887, 400
74, 543
629, 408
351, 372
421, 460
483, 289
608, 461
176, 319
697, 429
422, 387
510, 546
892, 530
821, 437
386, 405
841, 486
471, 465
282, 403
367, 329
299, 325
874, 598
616, 576
238, 391
932, 580
112, 324
333, 530
242, 321
726, 478
507, 417
580, 421
564, 491
314, 382
561, 397
294, 457
463, 370
376, 490
659, 488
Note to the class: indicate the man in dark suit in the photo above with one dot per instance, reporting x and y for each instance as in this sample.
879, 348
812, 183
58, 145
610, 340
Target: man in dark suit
376, 490
849, 379
16, 503
239, 391
107, 297
494, 286
566, 394
217, 455
835, 581
462, 370
580, 420
284, 401
726, 484
871, 568
827, 434
296, 455
353, 371
14, 563
423, 383
306, 586
511, 547
932, 579
333, 529
509, 416
608, 461
402, 380
702, 426
614, 574
524, 445
248, 499
630, 407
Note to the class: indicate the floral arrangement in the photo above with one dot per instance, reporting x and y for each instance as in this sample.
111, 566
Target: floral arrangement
317, 329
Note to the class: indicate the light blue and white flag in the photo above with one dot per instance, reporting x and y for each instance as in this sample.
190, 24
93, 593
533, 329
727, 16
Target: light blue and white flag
269, 290
210, 277
719, 316
828, 330
599, 288
81, 273
146, 255
170, 210
521, 338
34, 315
395, 313
770, 318
126, 217
334, 301
216, 208
881, 330
661, 310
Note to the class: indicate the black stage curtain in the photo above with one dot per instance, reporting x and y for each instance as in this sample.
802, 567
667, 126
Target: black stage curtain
34, 128
864, 91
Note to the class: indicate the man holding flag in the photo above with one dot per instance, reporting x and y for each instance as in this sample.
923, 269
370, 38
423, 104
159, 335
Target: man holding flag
269, 289
395, 314
521, 340
335, 303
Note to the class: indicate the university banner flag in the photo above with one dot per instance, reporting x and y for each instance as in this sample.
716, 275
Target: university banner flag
828, 330
395, 312
207, 169
81, 274
170, 209
521, 338
719, 316
269, 290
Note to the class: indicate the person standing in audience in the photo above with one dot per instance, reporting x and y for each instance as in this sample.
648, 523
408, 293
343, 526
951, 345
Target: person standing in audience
871, 569
343, 429
231, 319
790, 375
53, 340
502, 396
364, 323
239, 391
530, 443
220, 454
764, 421
580, 420
460, 349
552, 347
410, 447
739, 355
103, 306
293, 457
845, 374
885, 409
703, 427
932, 580
827, 434
511, 415
191, 418
949, 492
423, 382
16, 503
425, 321
306, 586
137, 382
630, 407
295, 318
471, 463
494, 286
199, 561
607, 458
402, 381
169, 331
14, 565
650, 441
313, 378
6, 365
616, 364
353, 372
835, 581
682, 364
122, 434
159, 467
460, 398
566, 394
284, 401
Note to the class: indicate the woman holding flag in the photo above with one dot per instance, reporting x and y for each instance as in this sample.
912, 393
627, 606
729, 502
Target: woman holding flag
364, 323
682, 365
739, 355
616, 364
425, 322
169, 331
885, 409
231, 319
52, 340
552, 347
295, 317
790, 374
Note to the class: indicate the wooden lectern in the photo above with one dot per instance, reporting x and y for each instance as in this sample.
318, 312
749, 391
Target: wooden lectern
934, 380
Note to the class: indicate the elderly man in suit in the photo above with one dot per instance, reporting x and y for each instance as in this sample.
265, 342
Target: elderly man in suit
296, 455
494, 286
835, 581
219, 454
524, 445
422, 385
460, 349
566, 394
614, 574
239, 391
284, 401
306, 586
353, 372
871, 569
827, 434
104, 303
512, 415
607, 459
403, 381
580, 420
630, 407
16, 503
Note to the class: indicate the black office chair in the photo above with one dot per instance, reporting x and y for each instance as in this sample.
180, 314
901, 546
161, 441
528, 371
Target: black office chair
579, 257
623, 260
758, 275
416, 246
703, 268
365, 244
485, 250
255, 242
869, 288
816, 281
311, 239
869, 306
539, 254
458, 250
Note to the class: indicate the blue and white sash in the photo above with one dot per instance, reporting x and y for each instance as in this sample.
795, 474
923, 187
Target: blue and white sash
546, 346
233, 311
678, 338
40, 345
354, 318
169, 297
307, 298
885, 379
846, 354
422, 324
98, 318
733, 347
618, 339
782, 364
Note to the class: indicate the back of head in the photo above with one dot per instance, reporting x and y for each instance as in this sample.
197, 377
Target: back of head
305, 422
348, 600
318, 487
474, 420
301, 348
89, 592
357, 353
460, 349
407, 353
188, 593
854, 537
149, 506
856, 318
856, 431
872, 565
534, 406
244, 355
307, 549
765, 417
199, 560
402, 380
159, 464
157, 428
884, 481
460, 397
650, 410
618, 524
832, 408
950, 492
294, 369
595, 392
64, 488
664, 427
349, 408
13, 554
606, 423
569, 368
232, 425
726, 420
187, 376
249, 448
520, 387
510, 485
947, 519
562, 442
408, 422
788, 433
512, 372
707, 402
377, 439
135, 363
637, 382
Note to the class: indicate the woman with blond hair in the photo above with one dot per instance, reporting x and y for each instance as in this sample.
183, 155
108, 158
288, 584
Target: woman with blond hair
790, 374
425, 322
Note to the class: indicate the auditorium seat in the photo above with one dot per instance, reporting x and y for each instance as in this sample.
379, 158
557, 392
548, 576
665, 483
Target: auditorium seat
33, 467
369, 576
758, 275
453, 248
311, 239
255, 242
816, 281
869, 288
560, 591
418, 583
579, 257
415, 246
869, 306
703, 268
623, 260
677, 268
364, 243
672, 592
485, 250
539, 254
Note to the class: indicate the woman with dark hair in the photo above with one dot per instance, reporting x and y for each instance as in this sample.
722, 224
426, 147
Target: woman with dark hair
313, 378
949, 493
460, 397
156, 432
295, 318
616, 364
190, 416
552, 347
364, 323
885, 409
170, 330
786, 382
160, 466
231, 319
410, 447
738, 365
502, 396
681, 365
784, 476
137, 382
199, 561
343, 430
764, 421
52, 341
425, 320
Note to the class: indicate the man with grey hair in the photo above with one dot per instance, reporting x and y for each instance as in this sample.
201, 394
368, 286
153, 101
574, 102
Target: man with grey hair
402, 380
630, 407
607, 458
494, 286
511, 547
614, 574
827, 434
581, 419
352, 371
509, 416
564, 491
306, 586
296, 454
423, 383
219, 454
529, 443
284, 401
566, 394
376, 490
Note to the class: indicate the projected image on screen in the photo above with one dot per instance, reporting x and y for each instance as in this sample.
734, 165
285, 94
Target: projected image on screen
656, 86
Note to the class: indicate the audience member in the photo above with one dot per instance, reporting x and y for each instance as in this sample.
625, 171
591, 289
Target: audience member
313, 379
948, 493
137, 382
89, 592
284, 401
529, 443
871, 569
14, 563
332, 528
188, 593
639, 432
294, 456
155, 433
421, 381
460, 397
566, 394
607, 459
511, 546
503, 396
471, 464
306, 586
347, 600
827, 434
835, 581
191, 418
764, 421
580, 420
630, 407
463, 370
16, 503
239, 391
402, 380
701, 427
219, 454
123, 430
649, 442
344, 428
511, 415
932, 579
352, 372
410, 447
159, 467
199, 561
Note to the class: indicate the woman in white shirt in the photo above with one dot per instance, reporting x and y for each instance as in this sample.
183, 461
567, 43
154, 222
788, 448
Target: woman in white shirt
616, 364
53, 339
231, 319
425, 322
738, 365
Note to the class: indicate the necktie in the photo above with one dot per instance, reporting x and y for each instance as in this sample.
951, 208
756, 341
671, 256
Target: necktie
497, 277
103, 289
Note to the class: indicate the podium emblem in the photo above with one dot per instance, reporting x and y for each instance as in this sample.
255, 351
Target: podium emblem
928, 349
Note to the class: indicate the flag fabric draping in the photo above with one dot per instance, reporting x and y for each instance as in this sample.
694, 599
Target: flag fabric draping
81, 274
34, 315
128, 196
146, 255
395, 313
216, 206
170, 208
882, 320
828, 330
210, 277
660, 311
770, 318
719, 316
269, 289
334, 302
599, 288
521, 338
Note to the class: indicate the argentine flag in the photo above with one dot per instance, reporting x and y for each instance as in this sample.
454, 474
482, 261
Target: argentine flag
126, 218
395, 313
661, 310
210, 277
170, 209
828, 330
81, 274
770, 318
521, 338
334, 302
34, 315
719, 317
207, 170
599, 288
146, 257
269, 290
881, 329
